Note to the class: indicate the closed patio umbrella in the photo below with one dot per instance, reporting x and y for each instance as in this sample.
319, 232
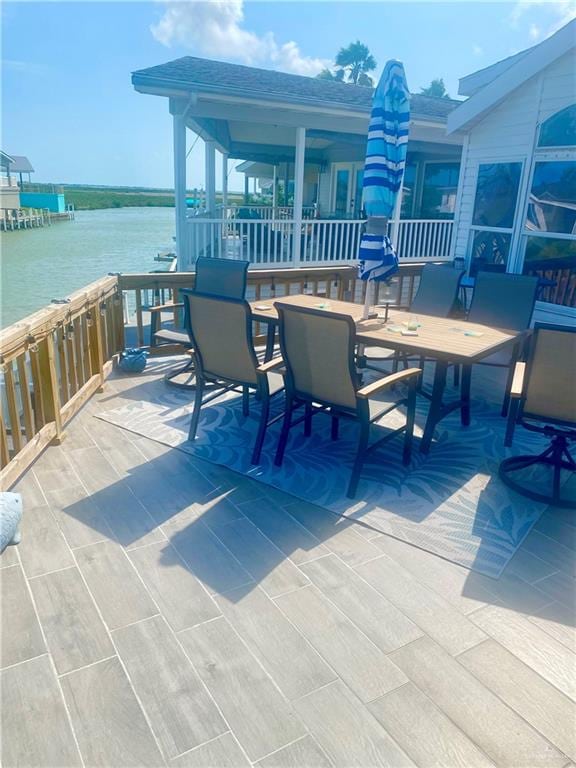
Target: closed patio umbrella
383, 172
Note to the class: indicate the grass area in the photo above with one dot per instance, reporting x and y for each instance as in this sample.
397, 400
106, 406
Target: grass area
86, 198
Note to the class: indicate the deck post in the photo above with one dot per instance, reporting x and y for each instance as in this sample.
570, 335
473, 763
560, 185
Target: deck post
298, 194
274, 194
224, 183
178, 111
210, 166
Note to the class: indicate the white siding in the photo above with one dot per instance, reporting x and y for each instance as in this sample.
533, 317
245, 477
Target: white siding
508, 132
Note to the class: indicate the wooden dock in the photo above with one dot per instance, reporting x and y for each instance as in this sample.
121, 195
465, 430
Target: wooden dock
27, 218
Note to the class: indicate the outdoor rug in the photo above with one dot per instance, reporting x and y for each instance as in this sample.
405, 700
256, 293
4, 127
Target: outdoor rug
449, 502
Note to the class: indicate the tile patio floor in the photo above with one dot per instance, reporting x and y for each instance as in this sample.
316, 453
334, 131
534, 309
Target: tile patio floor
164, 611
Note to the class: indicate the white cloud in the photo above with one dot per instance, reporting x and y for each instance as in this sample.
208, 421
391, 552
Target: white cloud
562, 11
215, 28
477, 50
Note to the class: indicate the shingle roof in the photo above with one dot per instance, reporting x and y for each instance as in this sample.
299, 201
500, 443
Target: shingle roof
190, 72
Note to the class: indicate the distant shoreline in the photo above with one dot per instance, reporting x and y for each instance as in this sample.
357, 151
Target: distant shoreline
90, 198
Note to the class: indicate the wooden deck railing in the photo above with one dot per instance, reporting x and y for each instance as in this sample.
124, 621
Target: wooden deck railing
53, 361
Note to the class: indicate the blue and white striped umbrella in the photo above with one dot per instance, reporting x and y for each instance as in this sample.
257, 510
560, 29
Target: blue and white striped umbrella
383, 170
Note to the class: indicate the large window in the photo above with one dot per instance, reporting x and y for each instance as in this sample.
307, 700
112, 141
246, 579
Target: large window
494, 211
408, 184
552, 206
439, 190
560, 129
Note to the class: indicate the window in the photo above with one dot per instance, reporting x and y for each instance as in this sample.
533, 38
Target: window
560, 129
552, 202
496, 195
408, 184
494, 212
439, 190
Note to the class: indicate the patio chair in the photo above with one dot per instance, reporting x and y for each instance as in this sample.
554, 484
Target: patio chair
224, 356
217, 277
543, 399
503, 301
318, 351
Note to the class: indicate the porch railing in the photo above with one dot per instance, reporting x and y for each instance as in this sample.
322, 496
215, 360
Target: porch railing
322, 241
53, 361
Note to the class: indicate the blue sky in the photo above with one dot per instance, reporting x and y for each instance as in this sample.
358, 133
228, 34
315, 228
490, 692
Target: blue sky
68, 104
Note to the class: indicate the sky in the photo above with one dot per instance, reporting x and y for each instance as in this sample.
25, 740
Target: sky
68, 103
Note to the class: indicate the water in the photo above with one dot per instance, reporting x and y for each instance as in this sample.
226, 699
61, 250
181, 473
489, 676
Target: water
46, 263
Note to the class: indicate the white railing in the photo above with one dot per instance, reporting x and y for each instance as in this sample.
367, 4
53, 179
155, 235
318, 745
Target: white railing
322, 241
11, 182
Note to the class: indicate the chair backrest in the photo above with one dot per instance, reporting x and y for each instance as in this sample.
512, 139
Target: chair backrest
503, 300
221, 333
221, 277
549, 384
318, 350
438, 290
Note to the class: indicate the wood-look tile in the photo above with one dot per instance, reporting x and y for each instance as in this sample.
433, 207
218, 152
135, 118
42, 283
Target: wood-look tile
529, 567
305, 753
563, 558
74, 631
428, 609
93, 468
182, 600
179, 709
43, 547
53, 470
283, 530
336, 534
274, 641
499, 732
259, 716
80, 520
9, 556
267, 565
347, 732
431, 739
354, 657
376, 616
559, 586
541, 704
129, 521
552, 660
214, 511
207, 558
170, 496
36, 732
20, 630
558, 621
552, 526
29, 488
109, 724
114, 584
222, 752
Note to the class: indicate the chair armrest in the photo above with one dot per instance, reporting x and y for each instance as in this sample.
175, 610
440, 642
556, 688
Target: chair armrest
387, 381
166, 307
518, 380
270, 365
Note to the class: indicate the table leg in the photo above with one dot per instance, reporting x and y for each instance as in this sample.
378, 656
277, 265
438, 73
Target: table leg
270, 337
465, 395
435, 412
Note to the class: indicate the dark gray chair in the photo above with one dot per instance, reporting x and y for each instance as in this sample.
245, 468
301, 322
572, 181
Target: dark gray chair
543, 399
504, 301
224, 357
318, 352
217, 277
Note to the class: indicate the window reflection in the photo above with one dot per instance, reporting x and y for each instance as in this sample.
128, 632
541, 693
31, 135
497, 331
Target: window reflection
552, 203
496, 194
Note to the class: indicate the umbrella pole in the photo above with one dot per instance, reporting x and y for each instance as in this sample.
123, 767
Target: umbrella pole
368, 299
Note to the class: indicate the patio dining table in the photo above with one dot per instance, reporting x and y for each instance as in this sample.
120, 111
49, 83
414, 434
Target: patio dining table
444, 340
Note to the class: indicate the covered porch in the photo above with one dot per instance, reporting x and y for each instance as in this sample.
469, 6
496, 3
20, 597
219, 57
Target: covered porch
308, 138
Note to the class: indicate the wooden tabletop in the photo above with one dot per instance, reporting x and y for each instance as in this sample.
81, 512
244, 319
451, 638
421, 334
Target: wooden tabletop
438, 337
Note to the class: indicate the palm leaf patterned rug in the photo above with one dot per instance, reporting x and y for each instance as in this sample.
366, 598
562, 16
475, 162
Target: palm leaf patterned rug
449, 502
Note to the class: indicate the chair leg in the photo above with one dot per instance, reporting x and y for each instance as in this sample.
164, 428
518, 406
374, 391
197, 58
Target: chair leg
245, 401
509, 378
456, 375
511, 424
308, 420
264, 413
395, 362
283, 440
334, 428
410, 417
197, 406
359, 460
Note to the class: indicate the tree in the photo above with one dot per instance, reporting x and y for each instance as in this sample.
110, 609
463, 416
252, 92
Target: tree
436, 88
352, 65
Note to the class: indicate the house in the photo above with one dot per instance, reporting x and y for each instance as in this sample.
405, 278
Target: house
9, 192
312, 132
21, 165
516, 203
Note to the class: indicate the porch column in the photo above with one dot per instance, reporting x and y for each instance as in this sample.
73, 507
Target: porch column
210, 162
274, 195
177, 108
225, 182
246, 189
298, 194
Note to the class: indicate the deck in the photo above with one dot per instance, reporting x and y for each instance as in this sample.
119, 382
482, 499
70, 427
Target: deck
188, 616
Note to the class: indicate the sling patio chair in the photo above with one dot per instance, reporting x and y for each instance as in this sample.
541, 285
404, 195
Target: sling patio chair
503, 301
318, 352
224, 357
217, 277
543, 399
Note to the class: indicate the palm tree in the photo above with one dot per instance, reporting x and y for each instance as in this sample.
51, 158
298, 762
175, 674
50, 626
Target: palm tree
436, 88
356, 61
